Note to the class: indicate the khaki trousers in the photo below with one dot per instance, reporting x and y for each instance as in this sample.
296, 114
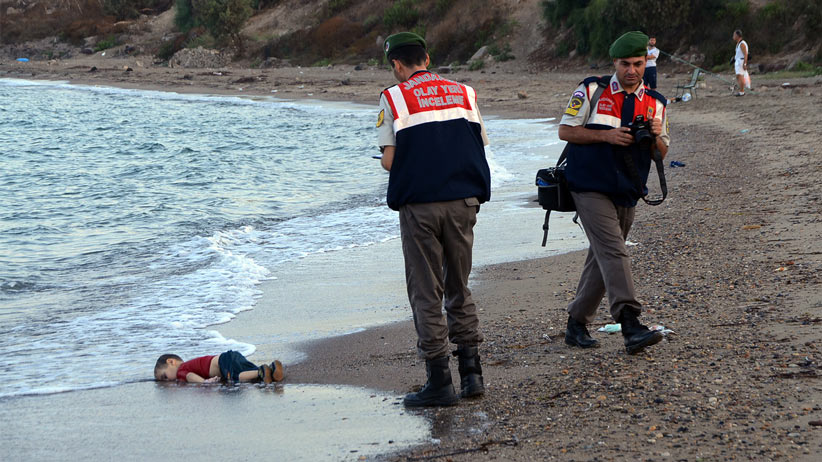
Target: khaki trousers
607, 267
437, 240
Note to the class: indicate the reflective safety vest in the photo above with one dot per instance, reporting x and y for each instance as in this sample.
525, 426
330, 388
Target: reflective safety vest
601, 167
440, 154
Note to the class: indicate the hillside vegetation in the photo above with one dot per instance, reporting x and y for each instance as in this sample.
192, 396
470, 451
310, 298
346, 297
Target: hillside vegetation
539, 33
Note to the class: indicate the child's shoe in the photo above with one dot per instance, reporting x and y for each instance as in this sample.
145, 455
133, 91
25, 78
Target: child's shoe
278, 371
265, 374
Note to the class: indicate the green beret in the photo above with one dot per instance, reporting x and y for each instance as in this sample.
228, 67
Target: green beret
402, 39
629, 45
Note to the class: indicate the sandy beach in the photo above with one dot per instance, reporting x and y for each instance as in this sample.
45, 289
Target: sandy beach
730, 262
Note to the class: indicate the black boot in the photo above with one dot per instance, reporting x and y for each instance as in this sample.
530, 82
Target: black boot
438, 390
636, 336
471, 384
576, 334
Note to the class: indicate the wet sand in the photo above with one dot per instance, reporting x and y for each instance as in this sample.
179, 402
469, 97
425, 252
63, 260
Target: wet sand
148, 421
731, 262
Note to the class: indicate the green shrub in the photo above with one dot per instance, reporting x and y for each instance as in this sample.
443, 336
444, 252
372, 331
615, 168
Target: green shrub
202, 39
706, 25
501, 53
222, 18
184, 17
443, 6
106, 43
260, 4
371, 21
130, 9
336, 6
402, 13
802, 66
476, 65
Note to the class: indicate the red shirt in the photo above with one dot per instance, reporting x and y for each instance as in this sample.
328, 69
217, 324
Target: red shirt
199, 366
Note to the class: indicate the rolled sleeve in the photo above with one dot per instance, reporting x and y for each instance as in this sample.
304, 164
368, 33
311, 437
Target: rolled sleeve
576, 112
483, 133
385, 124
666, 139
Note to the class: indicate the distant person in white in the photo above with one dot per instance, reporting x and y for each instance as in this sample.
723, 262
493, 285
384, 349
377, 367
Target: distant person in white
650, 66
743, 80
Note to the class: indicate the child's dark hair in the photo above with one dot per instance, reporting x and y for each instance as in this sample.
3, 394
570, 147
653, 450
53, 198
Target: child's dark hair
161, 362
410, 55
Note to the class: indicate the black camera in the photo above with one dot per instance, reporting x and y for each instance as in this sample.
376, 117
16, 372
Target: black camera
641, 131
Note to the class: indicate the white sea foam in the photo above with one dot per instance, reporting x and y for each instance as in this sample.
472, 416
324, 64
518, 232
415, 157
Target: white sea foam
298, 191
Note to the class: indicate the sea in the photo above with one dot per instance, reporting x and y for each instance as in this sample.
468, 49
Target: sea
135, 223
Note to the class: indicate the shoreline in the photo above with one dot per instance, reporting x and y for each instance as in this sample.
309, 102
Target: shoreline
730, 262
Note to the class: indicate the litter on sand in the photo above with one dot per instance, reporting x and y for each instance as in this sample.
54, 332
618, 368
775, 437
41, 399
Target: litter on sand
614, 328
610, 328
663, 329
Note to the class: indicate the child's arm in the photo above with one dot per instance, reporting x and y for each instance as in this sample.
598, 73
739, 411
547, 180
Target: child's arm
194, 378
191, 377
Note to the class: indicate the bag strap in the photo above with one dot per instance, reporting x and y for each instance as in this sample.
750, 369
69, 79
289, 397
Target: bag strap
602, 84
545, 227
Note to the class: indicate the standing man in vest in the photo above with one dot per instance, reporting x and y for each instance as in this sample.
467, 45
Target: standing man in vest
433, 143
650, 67
741, 63
606, 190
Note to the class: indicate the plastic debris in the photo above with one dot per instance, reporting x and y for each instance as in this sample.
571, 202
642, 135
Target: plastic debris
676, 163
664, 330
610, 328
745, 130
23, 60
631, 243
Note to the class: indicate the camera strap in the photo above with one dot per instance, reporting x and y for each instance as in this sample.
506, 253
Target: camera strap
627, 116
660, 170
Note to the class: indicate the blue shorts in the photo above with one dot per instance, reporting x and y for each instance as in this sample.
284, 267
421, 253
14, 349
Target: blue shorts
232, 363
650, 77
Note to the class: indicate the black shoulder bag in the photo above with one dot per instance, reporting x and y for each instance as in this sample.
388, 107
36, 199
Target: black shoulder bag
552, 187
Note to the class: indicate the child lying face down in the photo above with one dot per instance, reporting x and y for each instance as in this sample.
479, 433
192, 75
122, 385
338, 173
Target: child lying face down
230, 366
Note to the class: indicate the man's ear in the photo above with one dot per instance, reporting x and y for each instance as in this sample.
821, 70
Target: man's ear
427, 60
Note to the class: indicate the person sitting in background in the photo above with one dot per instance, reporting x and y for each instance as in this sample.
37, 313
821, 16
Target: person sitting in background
230, 366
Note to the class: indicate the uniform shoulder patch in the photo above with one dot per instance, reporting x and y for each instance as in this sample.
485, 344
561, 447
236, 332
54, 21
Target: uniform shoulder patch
381, 118
575, 104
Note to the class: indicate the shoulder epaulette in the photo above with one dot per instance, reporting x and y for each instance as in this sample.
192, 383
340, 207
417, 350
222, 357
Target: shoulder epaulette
657, 95
386, 88
603, 80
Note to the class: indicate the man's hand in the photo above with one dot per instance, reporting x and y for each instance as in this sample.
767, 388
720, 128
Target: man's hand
620, 136
656, 127
388, 157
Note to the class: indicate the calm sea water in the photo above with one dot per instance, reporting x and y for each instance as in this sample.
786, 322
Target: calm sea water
133, 222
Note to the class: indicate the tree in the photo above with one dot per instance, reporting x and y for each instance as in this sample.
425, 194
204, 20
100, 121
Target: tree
222, 18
